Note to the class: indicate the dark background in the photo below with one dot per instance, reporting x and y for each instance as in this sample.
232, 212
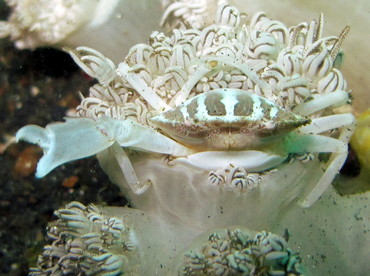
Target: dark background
38, 87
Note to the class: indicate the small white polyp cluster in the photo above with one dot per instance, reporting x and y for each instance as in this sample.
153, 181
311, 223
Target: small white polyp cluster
188, 12
72, 23
47, 22
84, 240
239, 251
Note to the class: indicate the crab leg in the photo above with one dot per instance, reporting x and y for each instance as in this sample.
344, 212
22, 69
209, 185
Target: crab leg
128, 171
131, 134
82, 137
141, 87
322, 124
94, 64
190, 83
251, 160
317, 143
336, 162
336, 98
323, 144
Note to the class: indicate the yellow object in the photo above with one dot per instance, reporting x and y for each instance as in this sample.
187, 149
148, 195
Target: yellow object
360, 141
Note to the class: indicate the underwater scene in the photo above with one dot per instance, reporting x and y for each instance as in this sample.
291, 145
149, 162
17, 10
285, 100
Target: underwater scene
184, 137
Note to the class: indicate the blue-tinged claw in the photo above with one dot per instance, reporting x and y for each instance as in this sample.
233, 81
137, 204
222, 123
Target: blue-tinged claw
78, 138
34, 134
62, 142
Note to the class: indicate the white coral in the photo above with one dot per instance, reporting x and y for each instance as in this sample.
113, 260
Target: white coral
74, 23
85, 240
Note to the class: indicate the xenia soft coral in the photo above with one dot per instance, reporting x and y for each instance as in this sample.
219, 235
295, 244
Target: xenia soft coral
86, 239
110, 26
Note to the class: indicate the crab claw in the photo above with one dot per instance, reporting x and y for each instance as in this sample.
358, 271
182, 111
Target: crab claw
78, 138
62, 142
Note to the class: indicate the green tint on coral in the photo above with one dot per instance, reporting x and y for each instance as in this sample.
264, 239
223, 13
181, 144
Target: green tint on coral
239, 251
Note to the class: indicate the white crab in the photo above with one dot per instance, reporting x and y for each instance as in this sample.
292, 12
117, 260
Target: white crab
222, 128
234, 126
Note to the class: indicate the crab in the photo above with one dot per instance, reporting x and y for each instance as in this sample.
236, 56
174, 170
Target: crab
209, 131
260, 128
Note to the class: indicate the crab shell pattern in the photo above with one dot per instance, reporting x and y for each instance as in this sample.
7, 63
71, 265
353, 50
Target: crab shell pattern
194, 122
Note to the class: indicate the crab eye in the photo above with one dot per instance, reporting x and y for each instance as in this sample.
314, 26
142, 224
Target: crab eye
227, 119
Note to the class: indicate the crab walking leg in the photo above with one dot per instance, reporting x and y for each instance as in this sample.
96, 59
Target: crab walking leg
128, 171
94, 64
183, 94
322, 124
82, 137
348, 130
336, 162
346, 122
317, 143
313, 143
141, 87
336, 98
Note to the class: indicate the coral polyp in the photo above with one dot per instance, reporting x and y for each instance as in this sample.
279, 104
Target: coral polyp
238, 251
84, 240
